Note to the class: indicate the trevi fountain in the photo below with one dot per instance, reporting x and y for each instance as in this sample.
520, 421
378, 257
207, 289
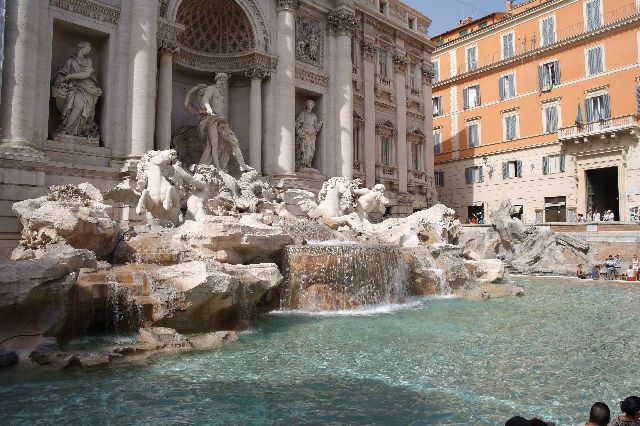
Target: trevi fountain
235, 301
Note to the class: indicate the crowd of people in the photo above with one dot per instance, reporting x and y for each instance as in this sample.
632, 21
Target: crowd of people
613, 268
599, 415
594, 215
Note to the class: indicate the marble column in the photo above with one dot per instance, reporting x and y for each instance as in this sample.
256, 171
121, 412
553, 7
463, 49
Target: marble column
143, 68
19, 72
400, 63
427, 110
255, 118
370, 50
285, 102
343, 23
165, 97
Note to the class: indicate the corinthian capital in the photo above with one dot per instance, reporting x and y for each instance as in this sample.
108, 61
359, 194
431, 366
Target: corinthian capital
343, 22
370, 49
292, 5
259, 73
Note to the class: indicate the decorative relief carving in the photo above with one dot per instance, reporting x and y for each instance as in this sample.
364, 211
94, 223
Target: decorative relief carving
428, 73
400, 62
90, 9
215, 26
343, 22
309, 41
292, 5
312, 77
260, 73
162, 9
237, 63
370, 49
167, 37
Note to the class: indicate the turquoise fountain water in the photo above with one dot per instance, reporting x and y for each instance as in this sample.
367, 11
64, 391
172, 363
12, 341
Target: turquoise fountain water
551, 353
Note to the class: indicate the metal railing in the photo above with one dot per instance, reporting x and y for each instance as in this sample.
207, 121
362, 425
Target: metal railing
526, 43
598, 127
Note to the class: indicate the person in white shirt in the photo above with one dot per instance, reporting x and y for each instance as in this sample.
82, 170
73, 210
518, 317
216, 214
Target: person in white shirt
596, 215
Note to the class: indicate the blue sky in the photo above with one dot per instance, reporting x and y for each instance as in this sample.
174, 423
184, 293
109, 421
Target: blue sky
445, 14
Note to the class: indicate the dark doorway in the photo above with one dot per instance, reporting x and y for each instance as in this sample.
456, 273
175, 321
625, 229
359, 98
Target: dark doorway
602, 190
555, 209
476, 214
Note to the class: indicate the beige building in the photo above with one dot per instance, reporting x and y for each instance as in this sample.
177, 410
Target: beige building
506, 96
365, 64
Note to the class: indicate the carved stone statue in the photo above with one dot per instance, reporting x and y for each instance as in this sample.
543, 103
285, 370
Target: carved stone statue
76, 92
310, 40
207, 103
370, 200
307, 127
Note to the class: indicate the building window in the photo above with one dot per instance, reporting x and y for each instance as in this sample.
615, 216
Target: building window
473, 134
508, 46
437, 141
440, 42
510, 122
598, 108
464, 33
414, 76
412, 23
548, 28
551, 118
356, 141
553, 164
512, 169
472, 58
386, 150
482, 25
548, 75
595, 60
417, 156
383, 63
593, 15
435, 66
507, 86
438, 179
474, 174
638, 99
437, 105
383, 7
354, 51
471, 96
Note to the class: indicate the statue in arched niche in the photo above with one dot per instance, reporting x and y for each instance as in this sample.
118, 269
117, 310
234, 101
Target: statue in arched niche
76, 92
307, 127
207, 103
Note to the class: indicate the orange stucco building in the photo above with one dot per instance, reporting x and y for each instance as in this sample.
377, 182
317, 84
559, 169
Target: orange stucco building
539, 105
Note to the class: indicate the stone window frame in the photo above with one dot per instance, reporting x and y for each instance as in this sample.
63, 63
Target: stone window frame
358, 124
438, 178
415, 136
466, 57
513, 37
555, 29
510, 113
555, 102
435, 64
586, 60
515, 83
437, 130
386, 128
475, 121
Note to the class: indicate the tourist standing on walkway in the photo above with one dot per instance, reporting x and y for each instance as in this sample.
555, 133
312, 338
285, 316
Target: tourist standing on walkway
630, 407
636, 266
590, 215
599, 415
596, 215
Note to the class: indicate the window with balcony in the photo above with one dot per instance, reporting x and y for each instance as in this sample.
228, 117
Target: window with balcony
507, 86
548, 29
472, 58
510, 126
598, 108
471, 96
438, 179
383, 7
437, 106
548, 75
508, 46
474, 174
512, 169
551, 117
473, 134
412, 23
435, 65
386, 150
552, 164
437, 141
417, 156
593, 14
595, 60
383, 63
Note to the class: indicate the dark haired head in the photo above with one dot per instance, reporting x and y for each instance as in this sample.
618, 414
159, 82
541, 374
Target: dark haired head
599, 414
517, 421
630, 406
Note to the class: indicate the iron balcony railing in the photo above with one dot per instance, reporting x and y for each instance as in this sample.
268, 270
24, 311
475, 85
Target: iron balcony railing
526, 43
598, 127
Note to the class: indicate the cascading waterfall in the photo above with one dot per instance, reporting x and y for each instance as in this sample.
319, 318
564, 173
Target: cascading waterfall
342, 276
123, 314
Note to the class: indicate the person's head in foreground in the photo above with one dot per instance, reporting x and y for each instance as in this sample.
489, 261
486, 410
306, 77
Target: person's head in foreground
521, 421
630, 408
600, 415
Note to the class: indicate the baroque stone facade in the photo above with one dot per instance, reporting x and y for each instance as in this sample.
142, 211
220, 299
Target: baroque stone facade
359, 66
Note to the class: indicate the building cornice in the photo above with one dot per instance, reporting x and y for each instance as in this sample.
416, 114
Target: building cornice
90, 9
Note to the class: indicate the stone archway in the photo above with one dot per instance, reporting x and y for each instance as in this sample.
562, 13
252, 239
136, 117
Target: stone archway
208, 15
